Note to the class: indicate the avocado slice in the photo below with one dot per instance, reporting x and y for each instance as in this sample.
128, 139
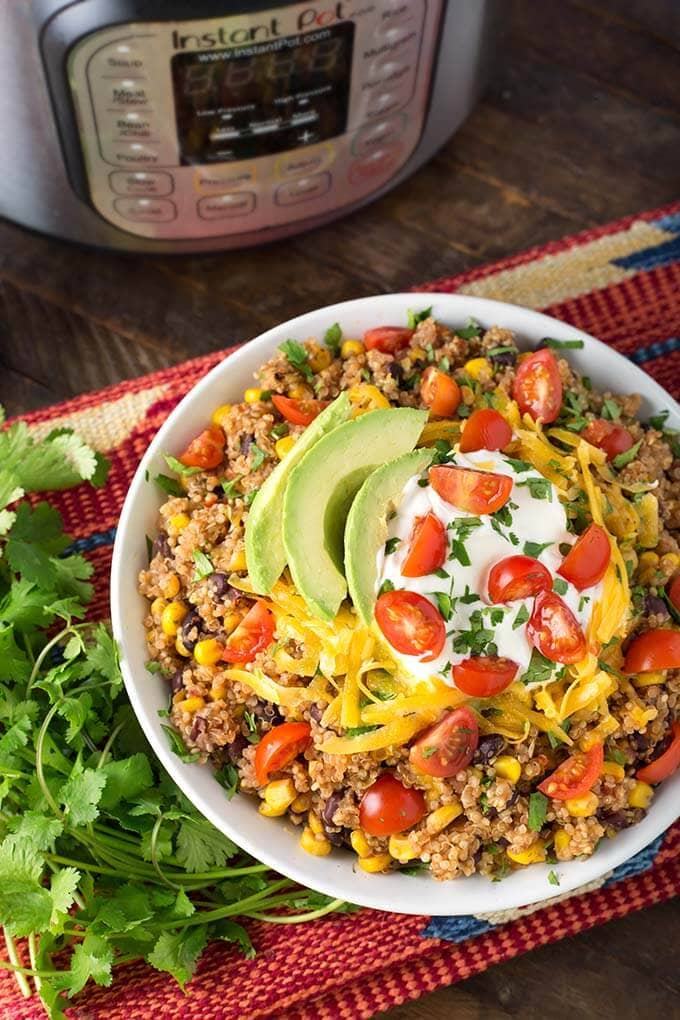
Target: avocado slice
320, 491
366, 528
265, 553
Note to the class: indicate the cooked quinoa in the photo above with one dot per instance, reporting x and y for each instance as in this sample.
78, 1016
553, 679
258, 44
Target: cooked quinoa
197, 588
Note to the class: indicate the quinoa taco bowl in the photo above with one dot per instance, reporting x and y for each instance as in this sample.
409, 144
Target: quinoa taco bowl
410, 612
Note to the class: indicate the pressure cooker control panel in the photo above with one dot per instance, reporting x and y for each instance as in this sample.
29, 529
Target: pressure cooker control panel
231, 125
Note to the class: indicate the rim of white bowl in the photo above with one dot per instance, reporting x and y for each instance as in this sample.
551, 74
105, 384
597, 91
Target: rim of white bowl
413, 895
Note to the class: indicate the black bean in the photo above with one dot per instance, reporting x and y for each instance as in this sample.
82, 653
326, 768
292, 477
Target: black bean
266, 712
615, 819
639, 741
488, 748
219, 587
395, 370
507, 357
331, 806
316, 711
514, 797
176, 681
236, 747
199, 727
654, 606
246, 443
340, 838
190, 631
161, 547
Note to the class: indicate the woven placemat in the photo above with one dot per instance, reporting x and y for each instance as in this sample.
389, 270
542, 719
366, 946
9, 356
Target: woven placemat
622, 284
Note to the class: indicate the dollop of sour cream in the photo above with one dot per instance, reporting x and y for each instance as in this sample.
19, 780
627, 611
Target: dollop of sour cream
533, 523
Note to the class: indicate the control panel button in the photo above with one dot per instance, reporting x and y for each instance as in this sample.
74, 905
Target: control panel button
124, 93
216, 180
303, 162
400, 12
130, 125
378, 134
132, 154
146, 210
217, 207
302, 190
118, 58
140, 183
381, 163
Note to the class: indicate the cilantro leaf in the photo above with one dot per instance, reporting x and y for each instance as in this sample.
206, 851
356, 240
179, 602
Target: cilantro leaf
177, 953
522, 617
553, 878
610, 409
518, 466
202, 847
534, 549
81, 794
298, 357
391, 545
169, 485
92, 958
548, 341
540, 488
258, 457
179, 468
539, 669
627, 456
204, 566
444, 603
413, 318
469, 332
386, 586
538, 806
333, 339
560, 586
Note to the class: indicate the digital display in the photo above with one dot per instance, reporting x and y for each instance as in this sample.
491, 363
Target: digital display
263, 98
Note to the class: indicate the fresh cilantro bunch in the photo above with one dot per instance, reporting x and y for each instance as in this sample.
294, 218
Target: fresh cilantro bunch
102, 859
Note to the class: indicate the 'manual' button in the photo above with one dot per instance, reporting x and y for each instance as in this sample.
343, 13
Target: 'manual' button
217, 207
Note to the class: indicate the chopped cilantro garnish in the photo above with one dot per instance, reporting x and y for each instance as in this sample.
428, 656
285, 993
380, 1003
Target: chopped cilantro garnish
385, 587
539, 669
552, 878
428, 751
459, 552
538, 806
297, 356
441, 573
252, 735
518, 466
582, 602
423, 483
204, 567
502, 516
230, 487
169, 485
280, 430
610, 409
540, 488
522, 617
333, 338
250, 496
179, 468
391, 545
560, 586
358, 731
534, 549
413, 318
443, 603
469, 332
627, 456
558, 345
477, 639
444, 365
259, 456
442, 452
228, 779
617, 756
496, 615
469, 597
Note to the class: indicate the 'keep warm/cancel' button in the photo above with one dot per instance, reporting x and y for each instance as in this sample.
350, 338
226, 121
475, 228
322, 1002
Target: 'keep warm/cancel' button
302, 190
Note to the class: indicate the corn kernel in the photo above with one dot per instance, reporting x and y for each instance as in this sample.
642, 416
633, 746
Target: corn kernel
477, 367
320, 359
641, 716
649, 679
172, 616
191, 705
179, 521
612, 768
582, 807
375, 864
238, 561
218, 692
534, 854
365, 397
284, 446
157, 607
252, 395
220, 414
231, 622
208, 652
171, 586
314, 822
438, 820
401, 849
181, 648
319, 846
278, 797
669, 563
562, 840
508, 768
301, 803
417, 354
649, 559
299, 393
641, 795
351, 347
360, 843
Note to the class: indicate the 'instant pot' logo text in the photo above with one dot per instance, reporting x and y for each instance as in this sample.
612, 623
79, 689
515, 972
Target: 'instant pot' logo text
311, 17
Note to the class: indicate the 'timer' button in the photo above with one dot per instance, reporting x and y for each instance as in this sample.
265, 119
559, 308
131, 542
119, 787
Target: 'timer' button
146, 210
217, 207
303, 190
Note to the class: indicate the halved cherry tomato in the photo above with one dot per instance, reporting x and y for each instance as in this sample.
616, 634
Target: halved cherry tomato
484, 676
586, 562
388, 807
428, 547
575, 776
485, 429
439, 392
666, 764
411, 623
448, 746
478, 492
554, 630
254, 633
279, 747
674, 593
538, 386
613, 439
655, 649
518, 577
206, 450
298, 412
387, 339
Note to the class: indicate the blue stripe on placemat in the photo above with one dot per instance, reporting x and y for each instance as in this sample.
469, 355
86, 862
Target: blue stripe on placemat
94, 541
651, 258
457, 929
655, 350
670, 223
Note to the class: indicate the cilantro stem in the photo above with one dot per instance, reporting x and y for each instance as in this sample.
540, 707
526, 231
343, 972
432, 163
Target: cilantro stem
19, 971
39, 744
311, 915
240, 907
107, 746
37, 665
32, 957
153, 846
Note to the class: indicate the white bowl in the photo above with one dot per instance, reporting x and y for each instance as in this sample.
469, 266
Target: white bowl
275, 842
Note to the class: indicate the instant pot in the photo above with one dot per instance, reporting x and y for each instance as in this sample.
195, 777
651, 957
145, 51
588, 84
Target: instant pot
190, 125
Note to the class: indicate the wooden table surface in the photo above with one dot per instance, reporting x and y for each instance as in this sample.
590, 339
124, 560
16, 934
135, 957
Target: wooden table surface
580, 125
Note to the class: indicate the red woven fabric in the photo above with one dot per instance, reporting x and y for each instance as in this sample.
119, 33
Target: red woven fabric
354, 966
